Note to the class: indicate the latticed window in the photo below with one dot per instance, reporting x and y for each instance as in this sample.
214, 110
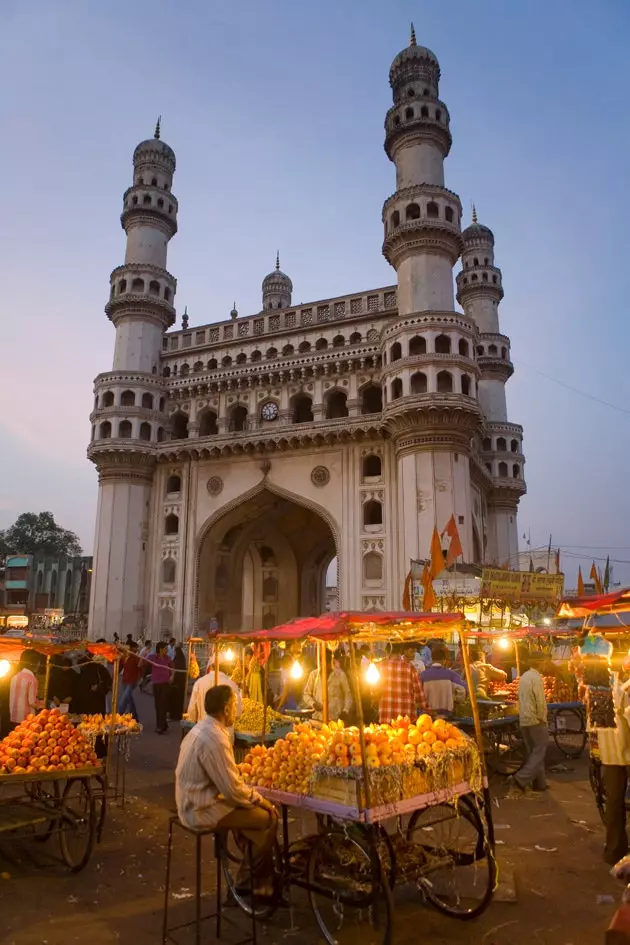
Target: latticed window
307, 316
372, 335
390, 300
340, 309
372, 303
274, 322
356, 306
243, 329
200, 337
228, 332
289, 320
323, 313
186, 341
259, 326
214, 334
174, 344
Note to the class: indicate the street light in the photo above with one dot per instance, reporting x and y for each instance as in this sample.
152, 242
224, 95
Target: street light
296, 671
5, 668
372, 675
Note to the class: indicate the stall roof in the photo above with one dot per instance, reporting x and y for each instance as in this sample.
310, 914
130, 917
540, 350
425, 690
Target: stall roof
12, 647
594, 603
334, 626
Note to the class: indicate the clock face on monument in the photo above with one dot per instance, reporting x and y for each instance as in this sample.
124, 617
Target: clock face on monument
269, 411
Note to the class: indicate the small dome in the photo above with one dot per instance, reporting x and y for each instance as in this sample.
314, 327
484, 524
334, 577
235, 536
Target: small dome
155, 145
277, 276
477, 231
412, 53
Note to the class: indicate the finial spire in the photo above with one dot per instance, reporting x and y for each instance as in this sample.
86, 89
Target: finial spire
185, 318
277, 260
156, 133
234, 312
412, 40
474, 213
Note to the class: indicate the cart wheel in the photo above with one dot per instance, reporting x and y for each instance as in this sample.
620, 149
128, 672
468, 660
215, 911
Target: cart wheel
459, 871
233, 855
597, 787
569, 732
44, 794
347, 892
511, 752
77, 824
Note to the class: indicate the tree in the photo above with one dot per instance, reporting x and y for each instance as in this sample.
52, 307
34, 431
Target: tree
38, 534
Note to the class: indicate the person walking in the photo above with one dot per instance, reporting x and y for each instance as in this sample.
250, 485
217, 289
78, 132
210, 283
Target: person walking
146, 650
131, 674
532, 710
161, 675
614, 754
179, 682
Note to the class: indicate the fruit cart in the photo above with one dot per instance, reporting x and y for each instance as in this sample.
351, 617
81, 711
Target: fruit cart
377, 825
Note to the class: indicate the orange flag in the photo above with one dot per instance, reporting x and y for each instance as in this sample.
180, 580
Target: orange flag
594, 576
428, 602
580, 587
406, 598
437, 556
455, 548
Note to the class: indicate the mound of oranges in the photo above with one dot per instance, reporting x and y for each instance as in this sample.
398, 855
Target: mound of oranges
47, 741
288, 764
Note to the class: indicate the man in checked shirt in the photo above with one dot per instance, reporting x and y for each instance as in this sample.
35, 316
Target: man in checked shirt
402, 692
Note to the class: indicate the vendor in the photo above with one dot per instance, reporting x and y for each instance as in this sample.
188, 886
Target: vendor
210, 792
483, 672
532, 711
401, 691
442, 685
339, 696
196, 706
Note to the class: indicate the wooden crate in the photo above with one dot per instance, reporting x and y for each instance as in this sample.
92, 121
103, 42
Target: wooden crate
351, 792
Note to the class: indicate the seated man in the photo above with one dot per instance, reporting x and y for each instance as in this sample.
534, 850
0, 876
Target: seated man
210, 792
442, 684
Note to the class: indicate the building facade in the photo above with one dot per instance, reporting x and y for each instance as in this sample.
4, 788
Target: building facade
237, 459
34, 584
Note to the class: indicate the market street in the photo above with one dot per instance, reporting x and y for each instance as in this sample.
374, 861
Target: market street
549, 853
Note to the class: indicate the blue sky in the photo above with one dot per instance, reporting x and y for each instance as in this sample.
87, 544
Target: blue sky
275, 111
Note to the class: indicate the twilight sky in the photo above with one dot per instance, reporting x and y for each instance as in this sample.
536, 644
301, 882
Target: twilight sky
275, 110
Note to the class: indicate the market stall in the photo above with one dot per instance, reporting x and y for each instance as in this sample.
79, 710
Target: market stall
402, 802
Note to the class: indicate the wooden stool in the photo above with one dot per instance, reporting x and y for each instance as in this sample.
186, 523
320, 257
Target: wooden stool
219, 835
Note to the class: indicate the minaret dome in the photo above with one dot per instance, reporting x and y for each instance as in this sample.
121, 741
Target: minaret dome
276, 288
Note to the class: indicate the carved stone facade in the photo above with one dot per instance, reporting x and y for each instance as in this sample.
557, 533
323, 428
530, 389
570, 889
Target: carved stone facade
238, 458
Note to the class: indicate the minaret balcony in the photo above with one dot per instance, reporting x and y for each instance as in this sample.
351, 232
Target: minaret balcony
151, 205
415, 120
417, 236
506, 492
493, 356
482, 282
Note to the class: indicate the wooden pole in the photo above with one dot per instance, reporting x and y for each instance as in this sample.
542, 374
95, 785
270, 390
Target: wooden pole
112, 724
323, 675
356, 685
479, 736
264, 725
517, 658
46, 681
216, 662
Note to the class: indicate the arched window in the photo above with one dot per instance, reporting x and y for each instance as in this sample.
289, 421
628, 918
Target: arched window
127, 399
372, 567
241, 358
438, 114
503, 469
397, 388
124, 429
271, 353
419, 384
270, 588
417, 345
226, 361
238, 419
147, 401
410, 93
395, 221
371, 399
339, 341
372, 513
442, 344
514, 446
184, 371
355, 338
154, 287
105, 430
474, 277
122, 286
137, 285
494, 280
445, 382
288, 350
171, 525
304, 347
409, 114
395, 352
179, 426
208, 423
146, 201
166, 371
504, 353
167, 294
173, 484
516, 471
433, 211
475, 261
160, 435
501, 445
371, 466
168, 571
145, 432
480, 351
336, 405
424, 112
302, 409
321, 344
486, 444
484, 276
489, 467
448, 215
412, 211
256, 355
212, 364
198, 366
134, 200
463, 348
154, 181
108, 398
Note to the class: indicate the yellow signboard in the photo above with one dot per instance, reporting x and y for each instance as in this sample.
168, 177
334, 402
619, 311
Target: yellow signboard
498, 584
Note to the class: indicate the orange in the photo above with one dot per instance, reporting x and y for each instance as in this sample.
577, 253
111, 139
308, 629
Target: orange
438, 747
429, 737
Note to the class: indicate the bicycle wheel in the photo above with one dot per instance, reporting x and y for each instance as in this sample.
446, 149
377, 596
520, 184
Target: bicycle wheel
77, 824
459, 871
569, 732
597, 787
348, 892
44, 794
234, 859
511, 751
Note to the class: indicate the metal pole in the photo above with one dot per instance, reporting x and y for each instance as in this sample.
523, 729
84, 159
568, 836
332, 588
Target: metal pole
112, 724
46, 681
478, 735
323, 675
264, 725
216, 662
354, 675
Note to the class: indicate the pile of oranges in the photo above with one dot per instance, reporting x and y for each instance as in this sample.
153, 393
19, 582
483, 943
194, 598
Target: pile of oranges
101, 724
47, 741
288, 764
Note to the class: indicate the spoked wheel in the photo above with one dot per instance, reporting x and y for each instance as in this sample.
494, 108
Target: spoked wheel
77, 824
100, 804
510, 752
459, 871
348, 893
45, 794
234, 861
597, 787
569, 732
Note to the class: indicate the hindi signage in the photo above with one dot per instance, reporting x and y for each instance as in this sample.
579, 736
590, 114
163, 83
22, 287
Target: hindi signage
521, 585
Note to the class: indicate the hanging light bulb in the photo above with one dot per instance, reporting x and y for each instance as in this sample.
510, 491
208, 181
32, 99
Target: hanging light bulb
5, 668
372, 675
296, 671
504, 643
228, 656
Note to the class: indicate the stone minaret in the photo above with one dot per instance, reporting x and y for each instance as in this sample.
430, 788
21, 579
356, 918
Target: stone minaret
429, 370
479, 292
276, 289
128, 417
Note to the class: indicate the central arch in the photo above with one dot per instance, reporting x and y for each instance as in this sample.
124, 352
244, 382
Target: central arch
263, 560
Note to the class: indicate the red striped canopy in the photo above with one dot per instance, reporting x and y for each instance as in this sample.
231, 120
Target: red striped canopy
333, 626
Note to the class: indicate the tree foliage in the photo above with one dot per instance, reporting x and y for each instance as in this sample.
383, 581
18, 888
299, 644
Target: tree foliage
37, 533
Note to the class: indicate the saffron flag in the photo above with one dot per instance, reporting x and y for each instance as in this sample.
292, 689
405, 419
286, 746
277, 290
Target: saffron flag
437, 556
455, 547
594, 576
428, 602
580, 587
607, 574
406, 598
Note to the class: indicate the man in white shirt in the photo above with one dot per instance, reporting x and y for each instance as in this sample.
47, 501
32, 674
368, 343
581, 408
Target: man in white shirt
614, 754
23, 690
196, 706
532, 710
210, 792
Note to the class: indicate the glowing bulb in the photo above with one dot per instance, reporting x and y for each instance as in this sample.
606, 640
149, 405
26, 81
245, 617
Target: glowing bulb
5, 668
296, 671
229, 655
547, 622
504, 643
372, 674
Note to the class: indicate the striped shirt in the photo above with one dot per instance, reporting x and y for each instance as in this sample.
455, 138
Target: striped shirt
22, 695
402, 691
